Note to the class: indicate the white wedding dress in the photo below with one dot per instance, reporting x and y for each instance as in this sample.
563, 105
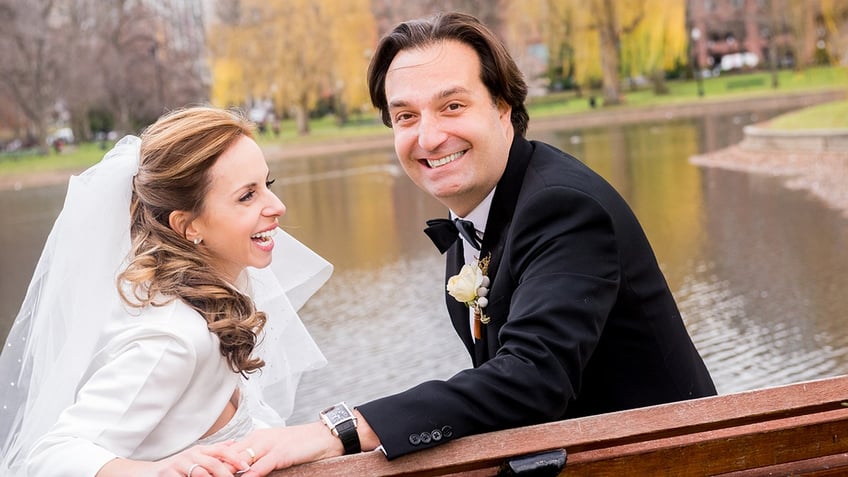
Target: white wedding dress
156, 386
87, 379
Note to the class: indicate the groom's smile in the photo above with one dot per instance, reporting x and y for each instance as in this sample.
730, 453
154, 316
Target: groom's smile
435, 163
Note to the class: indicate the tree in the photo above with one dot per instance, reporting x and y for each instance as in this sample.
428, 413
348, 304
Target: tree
558, 30
280, 51
610, 20
29, 61
657, 43
149, 58
489, 12
268, 53
12, 120
227, 37
835, 19
523, 32
594, 30
595, 42
801, 23
61, 59
352, 34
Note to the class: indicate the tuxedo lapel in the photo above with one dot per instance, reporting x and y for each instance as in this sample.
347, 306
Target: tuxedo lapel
503, 203
500, 217
458, 311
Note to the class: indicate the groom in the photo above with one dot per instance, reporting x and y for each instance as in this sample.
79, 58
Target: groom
574, 316
578, 318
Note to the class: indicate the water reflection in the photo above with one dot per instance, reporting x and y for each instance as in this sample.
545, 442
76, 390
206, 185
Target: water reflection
26, 218
768, 294
756, 268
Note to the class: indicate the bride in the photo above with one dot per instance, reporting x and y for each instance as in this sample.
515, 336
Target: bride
156, 329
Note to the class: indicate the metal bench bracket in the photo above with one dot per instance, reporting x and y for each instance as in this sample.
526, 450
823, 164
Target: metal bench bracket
544, 464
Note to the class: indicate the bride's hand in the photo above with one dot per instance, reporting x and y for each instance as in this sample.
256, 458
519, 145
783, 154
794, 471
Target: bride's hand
283, 447
217, 460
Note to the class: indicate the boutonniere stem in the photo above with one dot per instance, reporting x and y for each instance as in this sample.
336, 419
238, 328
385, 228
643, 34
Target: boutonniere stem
471, 287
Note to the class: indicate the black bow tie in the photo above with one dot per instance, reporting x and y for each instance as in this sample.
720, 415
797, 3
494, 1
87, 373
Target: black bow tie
444, 232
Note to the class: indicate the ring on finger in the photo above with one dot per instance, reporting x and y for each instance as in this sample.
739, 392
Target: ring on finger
191, 469
252, 454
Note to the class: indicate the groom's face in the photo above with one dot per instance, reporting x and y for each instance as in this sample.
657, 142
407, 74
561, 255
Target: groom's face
451, 137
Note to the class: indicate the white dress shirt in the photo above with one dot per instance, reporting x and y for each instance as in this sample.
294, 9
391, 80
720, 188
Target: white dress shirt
479, 216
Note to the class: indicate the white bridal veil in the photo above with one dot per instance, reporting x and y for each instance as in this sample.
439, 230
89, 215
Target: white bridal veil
56, 332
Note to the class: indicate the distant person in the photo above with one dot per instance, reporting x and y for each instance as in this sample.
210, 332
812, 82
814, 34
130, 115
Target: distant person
156, 329
553, 289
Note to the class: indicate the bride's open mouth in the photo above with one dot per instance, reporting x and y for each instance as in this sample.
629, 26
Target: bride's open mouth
264, 238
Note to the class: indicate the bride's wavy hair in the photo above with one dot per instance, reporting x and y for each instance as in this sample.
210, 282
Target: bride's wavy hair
177, 152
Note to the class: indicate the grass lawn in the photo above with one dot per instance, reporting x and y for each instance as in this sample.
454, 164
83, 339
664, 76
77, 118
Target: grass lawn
73, 157
724, 87
556, 104
824, 116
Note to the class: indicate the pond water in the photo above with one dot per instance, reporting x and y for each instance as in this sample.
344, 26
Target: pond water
757, 269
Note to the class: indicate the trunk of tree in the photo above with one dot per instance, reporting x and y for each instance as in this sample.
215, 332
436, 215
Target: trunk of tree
609, 58
123, 123
301, 115
658, 82
80, 123
32, 107
28, 66
774, 51
342, 115
609, 69
38, 112
39, 130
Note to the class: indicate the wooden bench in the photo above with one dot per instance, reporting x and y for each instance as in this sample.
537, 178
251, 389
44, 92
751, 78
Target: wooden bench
798, 429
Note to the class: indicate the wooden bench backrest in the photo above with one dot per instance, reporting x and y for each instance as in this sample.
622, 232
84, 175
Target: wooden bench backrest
798, 429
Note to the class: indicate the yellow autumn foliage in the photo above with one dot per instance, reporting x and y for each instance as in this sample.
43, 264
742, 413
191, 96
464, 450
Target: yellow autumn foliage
649, 34
658, 41
292, 53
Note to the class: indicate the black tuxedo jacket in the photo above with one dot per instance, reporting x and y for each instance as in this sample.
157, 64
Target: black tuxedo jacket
582, 320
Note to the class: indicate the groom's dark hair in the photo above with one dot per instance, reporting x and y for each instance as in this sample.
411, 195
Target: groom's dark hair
498, 70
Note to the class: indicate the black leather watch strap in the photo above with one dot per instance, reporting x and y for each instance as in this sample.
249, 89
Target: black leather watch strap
350, 439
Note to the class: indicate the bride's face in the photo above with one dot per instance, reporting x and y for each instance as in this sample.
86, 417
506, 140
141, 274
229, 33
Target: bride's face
240, 212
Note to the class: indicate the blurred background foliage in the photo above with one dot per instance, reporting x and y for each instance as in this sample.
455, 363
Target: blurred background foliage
84, 70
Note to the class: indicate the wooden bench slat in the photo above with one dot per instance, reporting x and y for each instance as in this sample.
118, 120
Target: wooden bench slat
832, 465
719, 451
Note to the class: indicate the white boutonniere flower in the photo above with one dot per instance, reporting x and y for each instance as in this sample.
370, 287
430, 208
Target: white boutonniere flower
471, 287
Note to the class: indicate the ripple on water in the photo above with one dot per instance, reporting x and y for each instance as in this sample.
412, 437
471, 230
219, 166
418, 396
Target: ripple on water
746, 349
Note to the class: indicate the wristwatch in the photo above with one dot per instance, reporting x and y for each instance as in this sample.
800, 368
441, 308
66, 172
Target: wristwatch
342, 424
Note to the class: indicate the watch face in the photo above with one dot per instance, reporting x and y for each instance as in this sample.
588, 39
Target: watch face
337, 414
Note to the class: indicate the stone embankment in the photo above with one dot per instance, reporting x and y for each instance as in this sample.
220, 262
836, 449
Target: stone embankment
814, 160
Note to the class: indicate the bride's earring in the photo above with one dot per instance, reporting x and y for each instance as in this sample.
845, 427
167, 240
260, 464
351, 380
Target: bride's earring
198, 240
